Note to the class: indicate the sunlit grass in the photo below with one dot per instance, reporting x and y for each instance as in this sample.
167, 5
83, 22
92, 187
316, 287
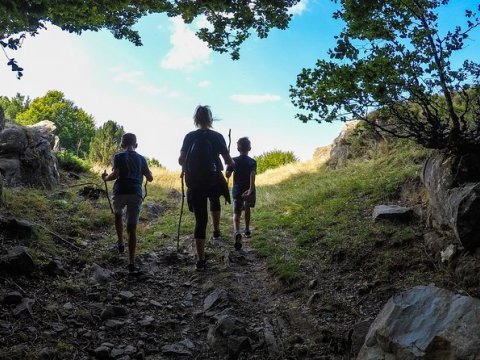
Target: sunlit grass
302, 209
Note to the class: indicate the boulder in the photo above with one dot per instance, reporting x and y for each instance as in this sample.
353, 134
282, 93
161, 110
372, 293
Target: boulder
100, 275
26, 156
392, 212
217, 298
425, 322
17, 261
14, 228
228, 337
454, 196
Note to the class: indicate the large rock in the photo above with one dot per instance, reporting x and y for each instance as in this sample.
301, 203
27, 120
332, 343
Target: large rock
14, 228
392, 212
340, 150
17, 261
453, 188
228, 337
26, 157
425, 322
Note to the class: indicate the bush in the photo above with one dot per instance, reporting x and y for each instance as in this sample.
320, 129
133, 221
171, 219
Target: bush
70, 162
273, 159
152, 162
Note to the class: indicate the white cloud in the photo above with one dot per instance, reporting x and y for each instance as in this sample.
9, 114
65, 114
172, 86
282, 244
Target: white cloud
298, 8
155, 90
151, 89
188, 52
254, 99
204, 84
129, 77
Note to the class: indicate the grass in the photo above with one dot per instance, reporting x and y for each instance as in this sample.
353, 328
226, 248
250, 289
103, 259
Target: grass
303, 209
319, 208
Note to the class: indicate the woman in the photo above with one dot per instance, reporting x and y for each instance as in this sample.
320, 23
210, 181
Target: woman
201, 165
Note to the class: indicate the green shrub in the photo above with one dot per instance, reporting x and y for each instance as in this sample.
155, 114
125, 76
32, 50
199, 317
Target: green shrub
70, 162
152, 162
273, 159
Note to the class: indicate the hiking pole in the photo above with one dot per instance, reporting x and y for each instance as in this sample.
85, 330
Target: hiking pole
229, 143
106, 191
181, 213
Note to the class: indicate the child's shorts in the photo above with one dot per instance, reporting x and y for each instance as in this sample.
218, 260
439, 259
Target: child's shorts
240, 203
133, 203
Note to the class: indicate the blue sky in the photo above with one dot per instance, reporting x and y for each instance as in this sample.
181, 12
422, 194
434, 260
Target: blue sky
153, 90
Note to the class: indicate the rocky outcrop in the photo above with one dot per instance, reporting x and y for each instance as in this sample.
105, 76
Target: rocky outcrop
453, 188
26, 157
340, 149
425, 322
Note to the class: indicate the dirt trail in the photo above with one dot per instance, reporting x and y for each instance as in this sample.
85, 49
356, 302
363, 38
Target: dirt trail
233, 309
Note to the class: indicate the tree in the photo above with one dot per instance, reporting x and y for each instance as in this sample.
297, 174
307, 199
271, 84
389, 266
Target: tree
152, 162
393, 68
15, 105
75, 127
273, 159
231, 21
105, 143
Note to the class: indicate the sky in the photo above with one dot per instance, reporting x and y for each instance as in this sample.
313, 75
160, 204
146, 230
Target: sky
154, 89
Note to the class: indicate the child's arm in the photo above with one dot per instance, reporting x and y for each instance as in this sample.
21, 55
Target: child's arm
147, 173
252, 184
112, 176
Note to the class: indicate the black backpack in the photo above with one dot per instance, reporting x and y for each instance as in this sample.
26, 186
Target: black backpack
201, 169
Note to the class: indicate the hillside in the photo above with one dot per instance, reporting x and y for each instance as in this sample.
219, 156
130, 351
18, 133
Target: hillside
316, 266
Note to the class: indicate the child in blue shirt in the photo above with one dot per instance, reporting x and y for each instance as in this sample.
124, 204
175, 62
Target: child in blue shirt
129, 168
243, 191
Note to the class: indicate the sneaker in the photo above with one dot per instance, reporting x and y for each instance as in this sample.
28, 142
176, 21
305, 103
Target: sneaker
238, 241
200, 265
216, 235
133, 269
248, 234
121, 248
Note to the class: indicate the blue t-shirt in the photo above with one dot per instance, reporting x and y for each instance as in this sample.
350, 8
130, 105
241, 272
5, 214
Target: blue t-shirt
244, 165
132, 167
217, 140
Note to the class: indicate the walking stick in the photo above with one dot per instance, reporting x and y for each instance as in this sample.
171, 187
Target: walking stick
106, 191
181, 213
229, 143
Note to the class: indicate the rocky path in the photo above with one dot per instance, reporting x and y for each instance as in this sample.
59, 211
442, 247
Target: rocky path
231, 310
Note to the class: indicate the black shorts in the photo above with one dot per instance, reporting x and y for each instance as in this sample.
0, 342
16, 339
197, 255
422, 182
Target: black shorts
197, 203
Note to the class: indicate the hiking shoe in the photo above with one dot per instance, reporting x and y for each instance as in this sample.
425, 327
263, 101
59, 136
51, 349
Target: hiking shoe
247, 234
238, 241
133, 269
216, 235
120, 248
201, 265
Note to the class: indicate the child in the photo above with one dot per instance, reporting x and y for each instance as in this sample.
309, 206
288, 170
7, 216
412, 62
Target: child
128, 170
243, 191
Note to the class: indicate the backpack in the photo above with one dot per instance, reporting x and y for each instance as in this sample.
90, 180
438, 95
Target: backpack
201, 162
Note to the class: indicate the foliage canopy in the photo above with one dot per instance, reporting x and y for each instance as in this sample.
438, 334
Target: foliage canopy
393, 68
105, 143
75, 127
231, 21
13, 106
